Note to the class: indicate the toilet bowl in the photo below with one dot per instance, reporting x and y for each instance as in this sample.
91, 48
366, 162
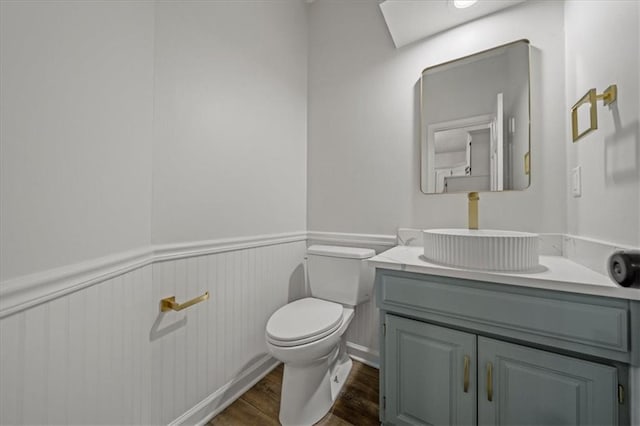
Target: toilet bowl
308, 335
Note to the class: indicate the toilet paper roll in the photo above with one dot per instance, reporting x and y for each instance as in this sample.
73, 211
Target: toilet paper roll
624, 267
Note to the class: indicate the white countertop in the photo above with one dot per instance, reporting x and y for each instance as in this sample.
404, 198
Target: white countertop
556, 273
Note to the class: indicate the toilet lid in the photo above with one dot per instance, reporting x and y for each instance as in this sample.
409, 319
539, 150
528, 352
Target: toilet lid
303, 321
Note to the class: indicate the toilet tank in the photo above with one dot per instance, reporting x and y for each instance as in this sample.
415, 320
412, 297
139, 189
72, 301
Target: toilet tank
340, 274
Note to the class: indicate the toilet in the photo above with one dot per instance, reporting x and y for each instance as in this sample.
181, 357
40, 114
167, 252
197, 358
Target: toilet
307, 335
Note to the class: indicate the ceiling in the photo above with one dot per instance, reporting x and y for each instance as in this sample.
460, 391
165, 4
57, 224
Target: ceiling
411, 20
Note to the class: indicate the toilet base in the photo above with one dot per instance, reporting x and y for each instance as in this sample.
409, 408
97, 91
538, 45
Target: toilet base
308, 392
340, 372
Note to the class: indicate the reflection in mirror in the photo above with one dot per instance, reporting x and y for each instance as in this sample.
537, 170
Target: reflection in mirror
475, 122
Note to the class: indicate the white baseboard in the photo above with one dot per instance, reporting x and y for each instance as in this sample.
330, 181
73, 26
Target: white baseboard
215, 403
363, 354
212, 405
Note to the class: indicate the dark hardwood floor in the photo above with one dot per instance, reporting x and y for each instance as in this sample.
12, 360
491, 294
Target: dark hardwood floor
357, 404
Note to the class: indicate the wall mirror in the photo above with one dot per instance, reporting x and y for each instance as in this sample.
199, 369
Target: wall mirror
475, 122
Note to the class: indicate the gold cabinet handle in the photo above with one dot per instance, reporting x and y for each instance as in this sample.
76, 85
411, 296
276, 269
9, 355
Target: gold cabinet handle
620, 394
467, 362
169, 303
489, 381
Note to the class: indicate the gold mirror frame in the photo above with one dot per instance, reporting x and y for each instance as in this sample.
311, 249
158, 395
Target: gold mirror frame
423, 132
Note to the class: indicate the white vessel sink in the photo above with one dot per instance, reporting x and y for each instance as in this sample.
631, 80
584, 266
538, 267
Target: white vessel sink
483, 249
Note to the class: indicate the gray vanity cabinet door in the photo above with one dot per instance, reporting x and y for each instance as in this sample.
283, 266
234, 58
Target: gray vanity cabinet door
534, 387
425, 371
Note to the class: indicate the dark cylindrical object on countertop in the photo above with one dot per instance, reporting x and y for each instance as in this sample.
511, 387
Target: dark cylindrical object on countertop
624, 267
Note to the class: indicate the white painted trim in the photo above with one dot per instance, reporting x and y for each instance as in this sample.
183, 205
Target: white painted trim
342, 238
598, 242
550, 244
410, 237
589, 252
212, 405
24, 292
363, 354
215, 403
201, 248
18, 294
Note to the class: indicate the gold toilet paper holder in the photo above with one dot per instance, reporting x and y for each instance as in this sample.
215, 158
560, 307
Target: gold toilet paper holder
170, 304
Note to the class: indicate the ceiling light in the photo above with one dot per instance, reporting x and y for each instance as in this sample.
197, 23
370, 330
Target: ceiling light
462, 4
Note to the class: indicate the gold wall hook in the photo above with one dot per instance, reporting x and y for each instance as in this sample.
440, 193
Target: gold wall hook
609, 96
169, 303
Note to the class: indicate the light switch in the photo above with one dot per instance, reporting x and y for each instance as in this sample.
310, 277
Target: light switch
576, 182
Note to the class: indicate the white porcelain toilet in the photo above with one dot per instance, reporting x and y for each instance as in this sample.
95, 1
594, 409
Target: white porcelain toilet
307, 335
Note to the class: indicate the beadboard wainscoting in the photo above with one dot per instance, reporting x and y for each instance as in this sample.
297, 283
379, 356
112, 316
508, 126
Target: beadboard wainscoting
102, 353
82, 358
200, 353
363, 342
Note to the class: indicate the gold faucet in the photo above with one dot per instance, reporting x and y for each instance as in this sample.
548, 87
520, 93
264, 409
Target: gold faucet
473, 210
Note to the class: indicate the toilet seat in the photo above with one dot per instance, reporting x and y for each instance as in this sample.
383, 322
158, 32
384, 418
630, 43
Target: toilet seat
304, 321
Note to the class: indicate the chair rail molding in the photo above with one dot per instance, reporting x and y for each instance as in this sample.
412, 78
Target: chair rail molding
20, 293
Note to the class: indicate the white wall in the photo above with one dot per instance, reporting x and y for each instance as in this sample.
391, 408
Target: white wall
363, 159
75, 131
84, 169
78, 114
599, 55
229, 154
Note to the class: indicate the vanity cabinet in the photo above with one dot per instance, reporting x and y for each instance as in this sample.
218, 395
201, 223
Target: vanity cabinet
461, 352
428, 374
519, 385
430, 378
